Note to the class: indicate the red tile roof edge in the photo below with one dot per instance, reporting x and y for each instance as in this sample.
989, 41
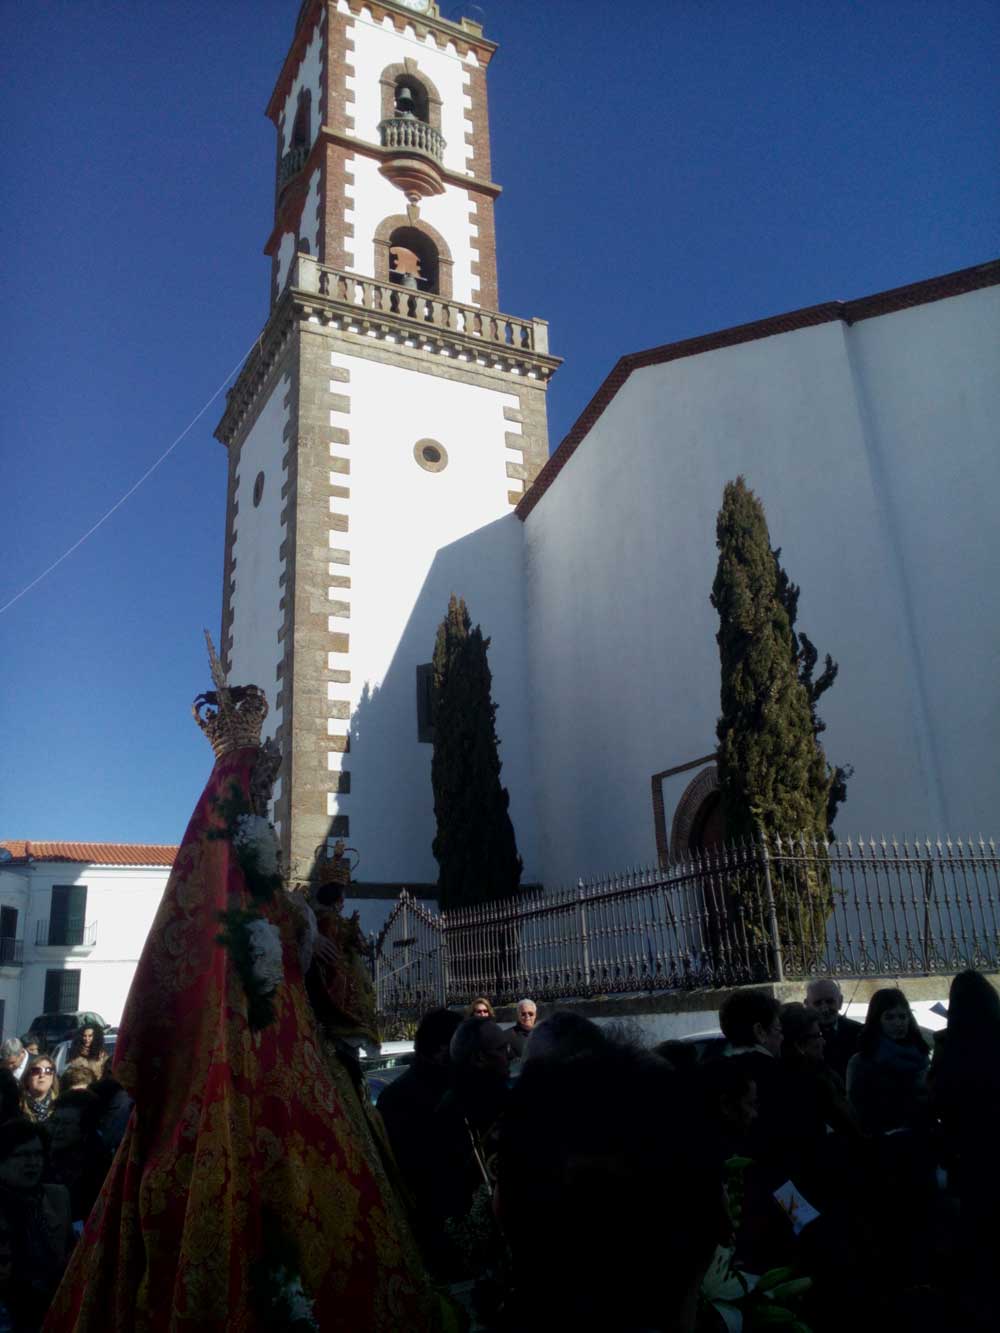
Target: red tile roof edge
849, 312
25, 850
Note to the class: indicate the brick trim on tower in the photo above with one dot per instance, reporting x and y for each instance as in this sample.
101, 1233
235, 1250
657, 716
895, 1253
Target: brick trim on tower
387, 81
336, 201
477, 138
319, 601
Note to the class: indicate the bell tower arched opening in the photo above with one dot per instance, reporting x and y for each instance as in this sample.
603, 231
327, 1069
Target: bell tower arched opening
410, 98
425, 243
413, 260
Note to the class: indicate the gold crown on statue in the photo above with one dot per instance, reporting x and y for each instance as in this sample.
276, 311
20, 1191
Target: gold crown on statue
231, 716
332, 865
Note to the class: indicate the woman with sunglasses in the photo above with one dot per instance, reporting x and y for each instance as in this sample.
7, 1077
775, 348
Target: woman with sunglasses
39, 1089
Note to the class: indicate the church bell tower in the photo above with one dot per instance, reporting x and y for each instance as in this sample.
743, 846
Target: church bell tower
381, 433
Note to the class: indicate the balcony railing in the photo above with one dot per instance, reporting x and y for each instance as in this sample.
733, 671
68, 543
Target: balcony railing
291, 164
52, 935
432, 312
11, 952
404, 133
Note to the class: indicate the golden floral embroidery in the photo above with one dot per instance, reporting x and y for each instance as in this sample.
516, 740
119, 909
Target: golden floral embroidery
230, 1125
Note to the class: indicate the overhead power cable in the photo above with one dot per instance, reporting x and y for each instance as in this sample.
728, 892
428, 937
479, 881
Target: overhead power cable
132, 489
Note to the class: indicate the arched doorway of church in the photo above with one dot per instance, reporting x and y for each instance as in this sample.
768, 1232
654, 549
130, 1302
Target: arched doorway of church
708, 829
699, 835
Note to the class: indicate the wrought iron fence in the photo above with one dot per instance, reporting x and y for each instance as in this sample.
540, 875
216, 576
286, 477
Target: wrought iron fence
789, 907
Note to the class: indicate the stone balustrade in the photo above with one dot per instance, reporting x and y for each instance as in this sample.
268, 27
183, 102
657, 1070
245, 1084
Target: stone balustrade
405, 133
291, 164
432, 312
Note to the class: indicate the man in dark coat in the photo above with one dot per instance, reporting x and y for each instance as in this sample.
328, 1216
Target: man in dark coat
517, 1036
841, 1035
409, 1108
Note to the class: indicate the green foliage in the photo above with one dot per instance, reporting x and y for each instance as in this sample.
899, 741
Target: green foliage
263, 877
235, 939
475, 845
773, 775
806, 657
772, 771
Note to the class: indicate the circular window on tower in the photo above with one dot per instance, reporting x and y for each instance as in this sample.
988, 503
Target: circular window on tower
258, 489
431, 455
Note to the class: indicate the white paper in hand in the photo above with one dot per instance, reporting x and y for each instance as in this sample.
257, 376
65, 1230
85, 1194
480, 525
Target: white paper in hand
797, 1209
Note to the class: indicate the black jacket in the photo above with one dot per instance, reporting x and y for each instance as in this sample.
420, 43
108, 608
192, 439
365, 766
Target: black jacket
841, 1044
517, 1038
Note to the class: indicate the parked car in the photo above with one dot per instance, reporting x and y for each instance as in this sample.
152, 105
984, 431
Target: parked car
53, 1028
382, 1069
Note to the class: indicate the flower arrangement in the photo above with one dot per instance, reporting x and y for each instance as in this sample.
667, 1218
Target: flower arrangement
742, 1301
291, 1308
255, 843
736, 1300
255, 948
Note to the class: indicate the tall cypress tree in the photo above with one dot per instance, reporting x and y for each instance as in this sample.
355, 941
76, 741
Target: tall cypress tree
475, 847
773, 774
806, 656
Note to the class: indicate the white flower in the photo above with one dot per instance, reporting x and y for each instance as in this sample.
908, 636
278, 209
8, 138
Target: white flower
265, 955
255, 837
291, 1302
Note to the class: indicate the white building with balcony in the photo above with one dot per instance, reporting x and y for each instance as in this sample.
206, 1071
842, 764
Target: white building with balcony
73, 920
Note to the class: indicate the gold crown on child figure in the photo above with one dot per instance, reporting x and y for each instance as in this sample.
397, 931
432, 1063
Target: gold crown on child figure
231, 716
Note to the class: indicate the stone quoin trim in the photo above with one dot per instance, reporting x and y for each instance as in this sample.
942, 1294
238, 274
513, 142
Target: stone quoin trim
464, 38
477, 160
317, 592
336, 201
381, 242
338, 689
410, 68
848, 312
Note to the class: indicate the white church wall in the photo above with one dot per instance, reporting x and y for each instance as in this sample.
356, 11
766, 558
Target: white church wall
377, 45
376, 199
620, 560
257, 616
307, 76
286, 252
415, 537
309, 226
929, 379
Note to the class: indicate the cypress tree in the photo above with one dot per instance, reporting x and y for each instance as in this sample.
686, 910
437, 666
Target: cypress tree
773, 775
475, 846
806, 656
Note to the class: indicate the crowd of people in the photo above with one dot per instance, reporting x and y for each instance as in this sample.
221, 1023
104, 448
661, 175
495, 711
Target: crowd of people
561, 1176
574, 1179
58, 1135
230, 1173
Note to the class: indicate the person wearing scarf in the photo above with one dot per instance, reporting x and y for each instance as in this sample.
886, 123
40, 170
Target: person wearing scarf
39, 1089
887, 1079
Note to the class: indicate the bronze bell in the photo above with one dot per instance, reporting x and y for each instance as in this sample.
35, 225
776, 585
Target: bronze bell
406, 103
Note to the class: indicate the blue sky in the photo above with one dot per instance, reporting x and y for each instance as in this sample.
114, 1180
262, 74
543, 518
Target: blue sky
668, 169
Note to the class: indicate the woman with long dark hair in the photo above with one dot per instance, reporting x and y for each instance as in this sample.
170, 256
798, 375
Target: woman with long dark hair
887, 1079
87, 1050
965, 1093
